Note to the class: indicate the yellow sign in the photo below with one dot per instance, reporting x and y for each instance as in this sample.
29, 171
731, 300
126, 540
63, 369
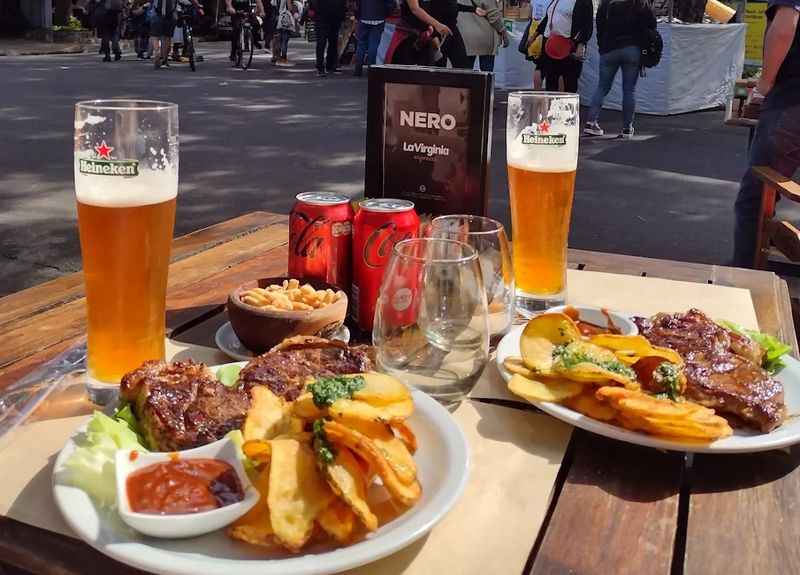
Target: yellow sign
756, 22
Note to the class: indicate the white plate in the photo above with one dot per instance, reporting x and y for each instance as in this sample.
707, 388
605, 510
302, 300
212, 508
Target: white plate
742, 441
227, 341
443, 466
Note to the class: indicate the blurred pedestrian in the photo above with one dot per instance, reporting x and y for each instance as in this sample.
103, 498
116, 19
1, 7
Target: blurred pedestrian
777, 139
328, 15
161, 28
566, 28
621, 25
442, 17
371, 22
481, 25
286, 26
141, 28
112, 20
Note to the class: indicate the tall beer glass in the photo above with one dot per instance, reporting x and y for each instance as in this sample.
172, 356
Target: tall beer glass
126, 183
542, 153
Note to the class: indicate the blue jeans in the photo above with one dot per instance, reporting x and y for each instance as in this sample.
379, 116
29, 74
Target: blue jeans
485, 62
368, 37
283, 44
626, 58
776, 144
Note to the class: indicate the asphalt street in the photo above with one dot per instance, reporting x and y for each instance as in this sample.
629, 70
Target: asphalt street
253, 140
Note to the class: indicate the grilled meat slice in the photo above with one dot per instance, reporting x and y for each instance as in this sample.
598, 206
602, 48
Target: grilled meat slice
181, 405
285, 371
723, 369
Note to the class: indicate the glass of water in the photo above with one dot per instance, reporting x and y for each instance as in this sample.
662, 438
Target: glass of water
431, 321
488, 238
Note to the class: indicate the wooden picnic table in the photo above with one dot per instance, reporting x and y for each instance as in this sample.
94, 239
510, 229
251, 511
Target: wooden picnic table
616, 508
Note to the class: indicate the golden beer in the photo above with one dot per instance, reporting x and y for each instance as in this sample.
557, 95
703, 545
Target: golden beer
542, 157
541, 205
125, 253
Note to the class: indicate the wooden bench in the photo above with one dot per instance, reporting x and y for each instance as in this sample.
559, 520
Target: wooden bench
774, 235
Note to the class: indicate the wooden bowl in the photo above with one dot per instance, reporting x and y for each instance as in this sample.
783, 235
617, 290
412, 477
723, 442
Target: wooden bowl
261, 329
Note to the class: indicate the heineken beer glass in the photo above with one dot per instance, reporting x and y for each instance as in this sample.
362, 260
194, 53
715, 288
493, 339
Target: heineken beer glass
542, 155
126, 183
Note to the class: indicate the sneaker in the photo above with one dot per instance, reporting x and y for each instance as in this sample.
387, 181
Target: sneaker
357, 71
626, 134
335, 71
117, 57
321, 73
107, 59
593, 129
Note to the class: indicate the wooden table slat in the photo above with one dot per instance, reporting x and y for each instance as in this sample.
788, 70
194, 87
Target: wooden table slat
66, 288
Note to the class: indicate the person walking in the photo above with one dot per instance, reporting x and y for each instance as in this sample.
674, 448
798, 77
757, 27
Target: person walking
141, 27
328, 17
777, 138
621, 25
566, 28
161, 29
287, 24
112, 20
442, 17
483, 31
371, 21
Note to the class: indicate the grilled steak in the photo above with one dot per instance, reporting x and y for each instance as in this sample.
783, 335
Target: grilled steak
285, 371
181, 405
723, 369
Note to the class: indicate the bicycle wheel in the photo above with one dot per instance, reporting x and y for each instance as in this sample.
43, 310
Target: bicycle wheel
247, 49
238, 58
189, 39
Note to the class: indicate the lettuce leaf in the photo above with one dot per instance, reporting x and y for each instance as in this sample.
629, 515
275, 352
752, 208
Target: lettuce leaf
91, 466
229, 375
773, 347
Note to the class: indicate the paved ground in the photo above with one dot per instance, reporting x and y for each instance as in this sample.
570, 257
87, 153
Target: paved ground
252, 140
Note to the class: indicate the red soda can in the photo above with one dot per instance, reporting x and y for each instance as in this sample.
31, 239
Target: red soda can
378, 225
320, 238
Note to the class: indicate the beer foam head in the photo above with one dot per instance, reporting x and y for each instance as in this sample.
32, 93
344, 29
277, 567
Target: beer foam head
147, 187
547, 142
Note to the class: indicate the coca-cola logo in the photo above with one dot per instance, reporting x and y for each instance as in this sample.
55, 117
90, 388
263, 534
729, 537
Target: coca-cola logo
307, 243
380, 242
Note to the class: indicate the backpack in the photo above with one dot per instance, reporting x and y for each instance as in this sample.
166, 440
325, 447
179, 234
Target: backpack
652, 47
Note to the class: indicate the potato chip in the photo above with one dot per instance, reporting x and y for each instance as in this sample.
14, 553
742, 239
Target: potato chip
297, 492
392, 448
541, 335
405, 434
367, 450
630, 348
351, 409
346, 477
555, 390
516, 365
381, 389
589, 405
589, 363
337, 520
267, 416
255, 527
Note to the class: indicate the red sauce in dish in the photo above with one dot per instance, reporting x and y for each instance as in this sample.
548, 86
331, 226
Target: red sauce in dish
134, 455
182, 486
590, 329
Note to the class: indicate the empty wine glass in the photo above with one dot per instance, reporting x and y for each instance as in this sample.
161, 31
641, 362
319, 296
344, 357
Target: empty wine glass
488, 237
431, 324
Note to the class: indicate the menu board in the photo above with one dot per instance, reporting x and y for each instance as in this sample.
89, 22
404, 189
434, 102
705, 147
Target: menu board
429, 138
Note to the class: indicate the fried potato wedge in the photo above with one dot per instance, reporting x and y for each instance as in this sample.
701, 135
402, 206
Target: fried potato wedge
255, 527
588, 404
337, 520
267, 417
358, 410
630, 348
541, 335
381, 389
680, 420
516, 365
304, 408
555, 390
405, 434
341, 435
297, 492
347, 479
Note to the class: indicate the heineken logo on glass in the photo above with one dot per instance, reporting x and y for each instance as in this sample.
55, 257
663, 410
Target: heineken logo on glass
539, 136
105, 165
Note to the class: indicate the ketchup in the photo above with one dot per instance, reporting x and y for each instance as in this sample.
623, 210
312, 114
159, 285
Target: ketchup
183, 486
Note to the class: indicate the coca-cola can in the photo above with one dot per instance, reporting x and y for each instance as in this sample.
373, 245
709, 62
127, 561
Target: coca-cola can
320, 238
378, 225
